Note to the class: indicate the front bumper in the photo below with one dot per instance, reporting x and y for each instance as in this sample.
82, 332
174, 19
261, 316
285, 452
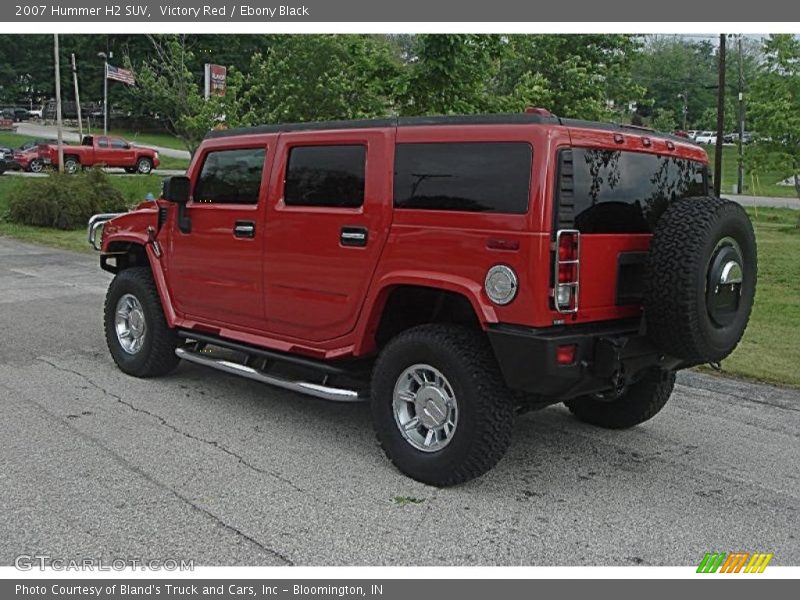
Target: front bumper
608, 355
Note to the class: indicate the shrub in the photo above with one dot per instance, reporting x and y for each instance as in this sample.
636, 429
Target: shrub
64, 201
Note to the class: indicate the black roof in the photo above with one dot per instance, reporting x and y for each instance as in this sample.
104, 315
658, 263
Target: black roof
495, 119
489, 119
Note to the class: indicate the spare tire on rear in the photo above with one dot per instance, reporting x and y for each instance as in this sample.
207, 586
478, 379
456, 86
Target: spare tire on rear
701, 279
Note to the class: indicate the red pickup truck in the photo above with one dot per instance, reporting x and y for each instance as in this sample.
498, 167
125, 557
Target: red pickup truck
101, 150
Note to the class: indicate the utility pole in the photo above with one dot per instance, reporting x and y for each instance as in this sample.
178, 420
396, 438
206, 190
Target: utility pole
77, 95
58, 105
720, 118
740, 174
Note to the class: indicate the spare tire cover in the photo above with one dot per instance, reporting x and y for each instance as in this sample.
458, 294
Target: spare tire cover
700, 280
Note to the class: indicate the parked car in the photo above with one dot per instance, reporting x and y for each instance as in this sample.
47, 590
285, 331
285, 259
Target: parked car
100, 150
455, 271
32, 156
6, 153
16, 114
692, 134
706, 137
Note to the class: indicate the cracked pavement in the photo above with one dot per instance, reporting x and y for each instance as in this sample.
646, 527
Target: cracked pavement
206, 466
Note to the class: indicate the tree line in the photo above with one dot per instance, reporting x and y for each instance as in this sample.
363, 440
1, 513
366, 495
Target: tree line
667, 82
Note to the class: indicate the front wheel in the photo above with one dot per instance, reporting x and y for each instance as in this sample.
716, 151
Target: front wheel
144, 166
137, 334
36, 166
637, 403
440, 407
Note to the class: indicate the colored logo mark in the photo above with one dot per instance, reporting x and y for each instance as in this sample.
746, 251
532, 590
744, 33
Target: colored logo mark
734, 562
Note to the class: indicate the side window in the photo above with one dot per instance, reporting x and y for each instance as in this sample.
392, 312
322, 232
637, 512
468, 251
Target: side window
230, 177
118, 144
471, 176
102, 142
332, 176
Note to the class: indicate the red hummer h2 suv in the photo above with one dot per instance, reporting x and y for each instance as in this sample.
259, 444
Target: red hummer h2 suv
454, 270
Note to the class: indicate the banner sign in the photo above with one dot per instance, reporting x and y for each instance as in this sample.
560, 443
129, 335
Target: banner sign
215, 76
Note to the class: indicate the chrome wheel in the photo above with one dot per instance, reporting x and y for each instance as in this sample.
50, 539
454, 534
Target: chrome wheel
144, 166
725, 273
71, 166
130, 324
425, 408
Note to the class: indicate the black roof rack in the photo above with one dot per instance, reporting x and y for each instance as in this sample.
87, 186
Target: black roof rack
523, 118
492, 119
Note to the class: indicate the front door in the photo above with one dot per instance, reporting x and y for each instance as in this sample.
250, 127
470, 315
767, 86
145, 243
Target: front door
327, 221
216, 274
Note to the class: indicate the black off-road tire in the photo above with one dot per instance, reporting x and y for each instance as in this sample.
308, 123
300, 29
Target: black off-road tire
640, 402
157, 355
676, 308
485, 405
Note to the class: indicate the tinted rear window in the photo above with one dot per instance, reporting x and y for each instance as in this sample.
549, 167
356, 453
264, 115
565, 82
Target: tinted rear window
613, 191
475, 176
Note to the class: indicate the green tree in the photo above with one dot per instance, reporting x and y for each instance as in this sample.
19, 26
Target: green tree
318, 77
167, 87
774, 107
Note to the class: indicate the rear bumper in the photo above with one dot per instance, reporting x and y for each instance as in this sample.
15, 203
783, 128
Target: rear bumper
607, 354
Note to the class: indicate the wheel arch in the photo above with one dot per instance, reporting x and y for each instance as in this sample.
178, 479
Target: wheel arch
129, 251
404, 301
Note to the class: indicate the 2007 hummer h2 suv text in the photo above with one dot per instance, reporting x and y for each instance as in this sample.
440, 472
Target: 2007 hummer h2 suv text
454, 270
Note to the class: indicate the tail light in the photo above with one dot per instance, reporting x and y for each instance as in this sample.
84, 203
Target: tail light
566, 270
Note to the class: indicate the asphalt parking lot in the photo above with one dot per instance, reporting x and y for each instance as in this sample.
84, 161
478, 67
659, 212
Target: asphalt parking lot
205, 466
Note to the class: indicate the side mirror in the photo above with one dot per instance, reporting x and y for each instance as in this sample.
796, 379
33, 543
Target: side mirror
176, 189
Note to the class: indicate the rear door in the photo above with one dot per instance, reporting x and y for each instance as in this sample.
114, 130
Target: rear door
215, 267
613, 189
101, 151
329, 216
122, 153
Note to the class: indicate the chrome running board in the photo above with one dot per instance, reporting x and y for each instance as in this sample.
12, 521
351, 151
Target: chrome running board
304, 387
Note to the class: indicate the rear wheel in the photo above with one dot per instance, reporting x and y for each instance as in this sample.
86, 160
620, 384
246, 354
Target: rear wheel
635, 404
441, 410
137, 334
71, 165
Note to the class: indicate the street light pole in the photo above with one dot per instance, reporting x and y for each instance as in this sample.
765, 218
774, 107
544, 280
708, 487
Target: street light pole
105, 94
105, 58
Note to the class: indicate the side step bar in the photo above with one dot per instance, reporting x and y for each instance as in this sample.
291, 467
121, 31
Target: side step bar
304, 387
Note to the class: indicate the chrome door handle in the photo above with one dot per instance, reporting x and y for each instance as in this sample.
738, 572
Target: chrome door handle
353, 236
244, 229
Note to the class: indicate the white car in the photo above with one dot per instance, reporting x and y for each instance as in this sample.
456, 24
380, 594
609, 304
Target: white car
706, 137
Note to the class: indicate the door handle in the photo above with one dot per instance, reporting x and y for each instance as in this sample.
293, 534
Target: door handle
353, 236
244, 229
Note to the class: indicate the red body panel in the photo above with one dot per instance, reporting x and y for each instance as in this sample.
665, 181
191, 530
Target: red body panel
294, 287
